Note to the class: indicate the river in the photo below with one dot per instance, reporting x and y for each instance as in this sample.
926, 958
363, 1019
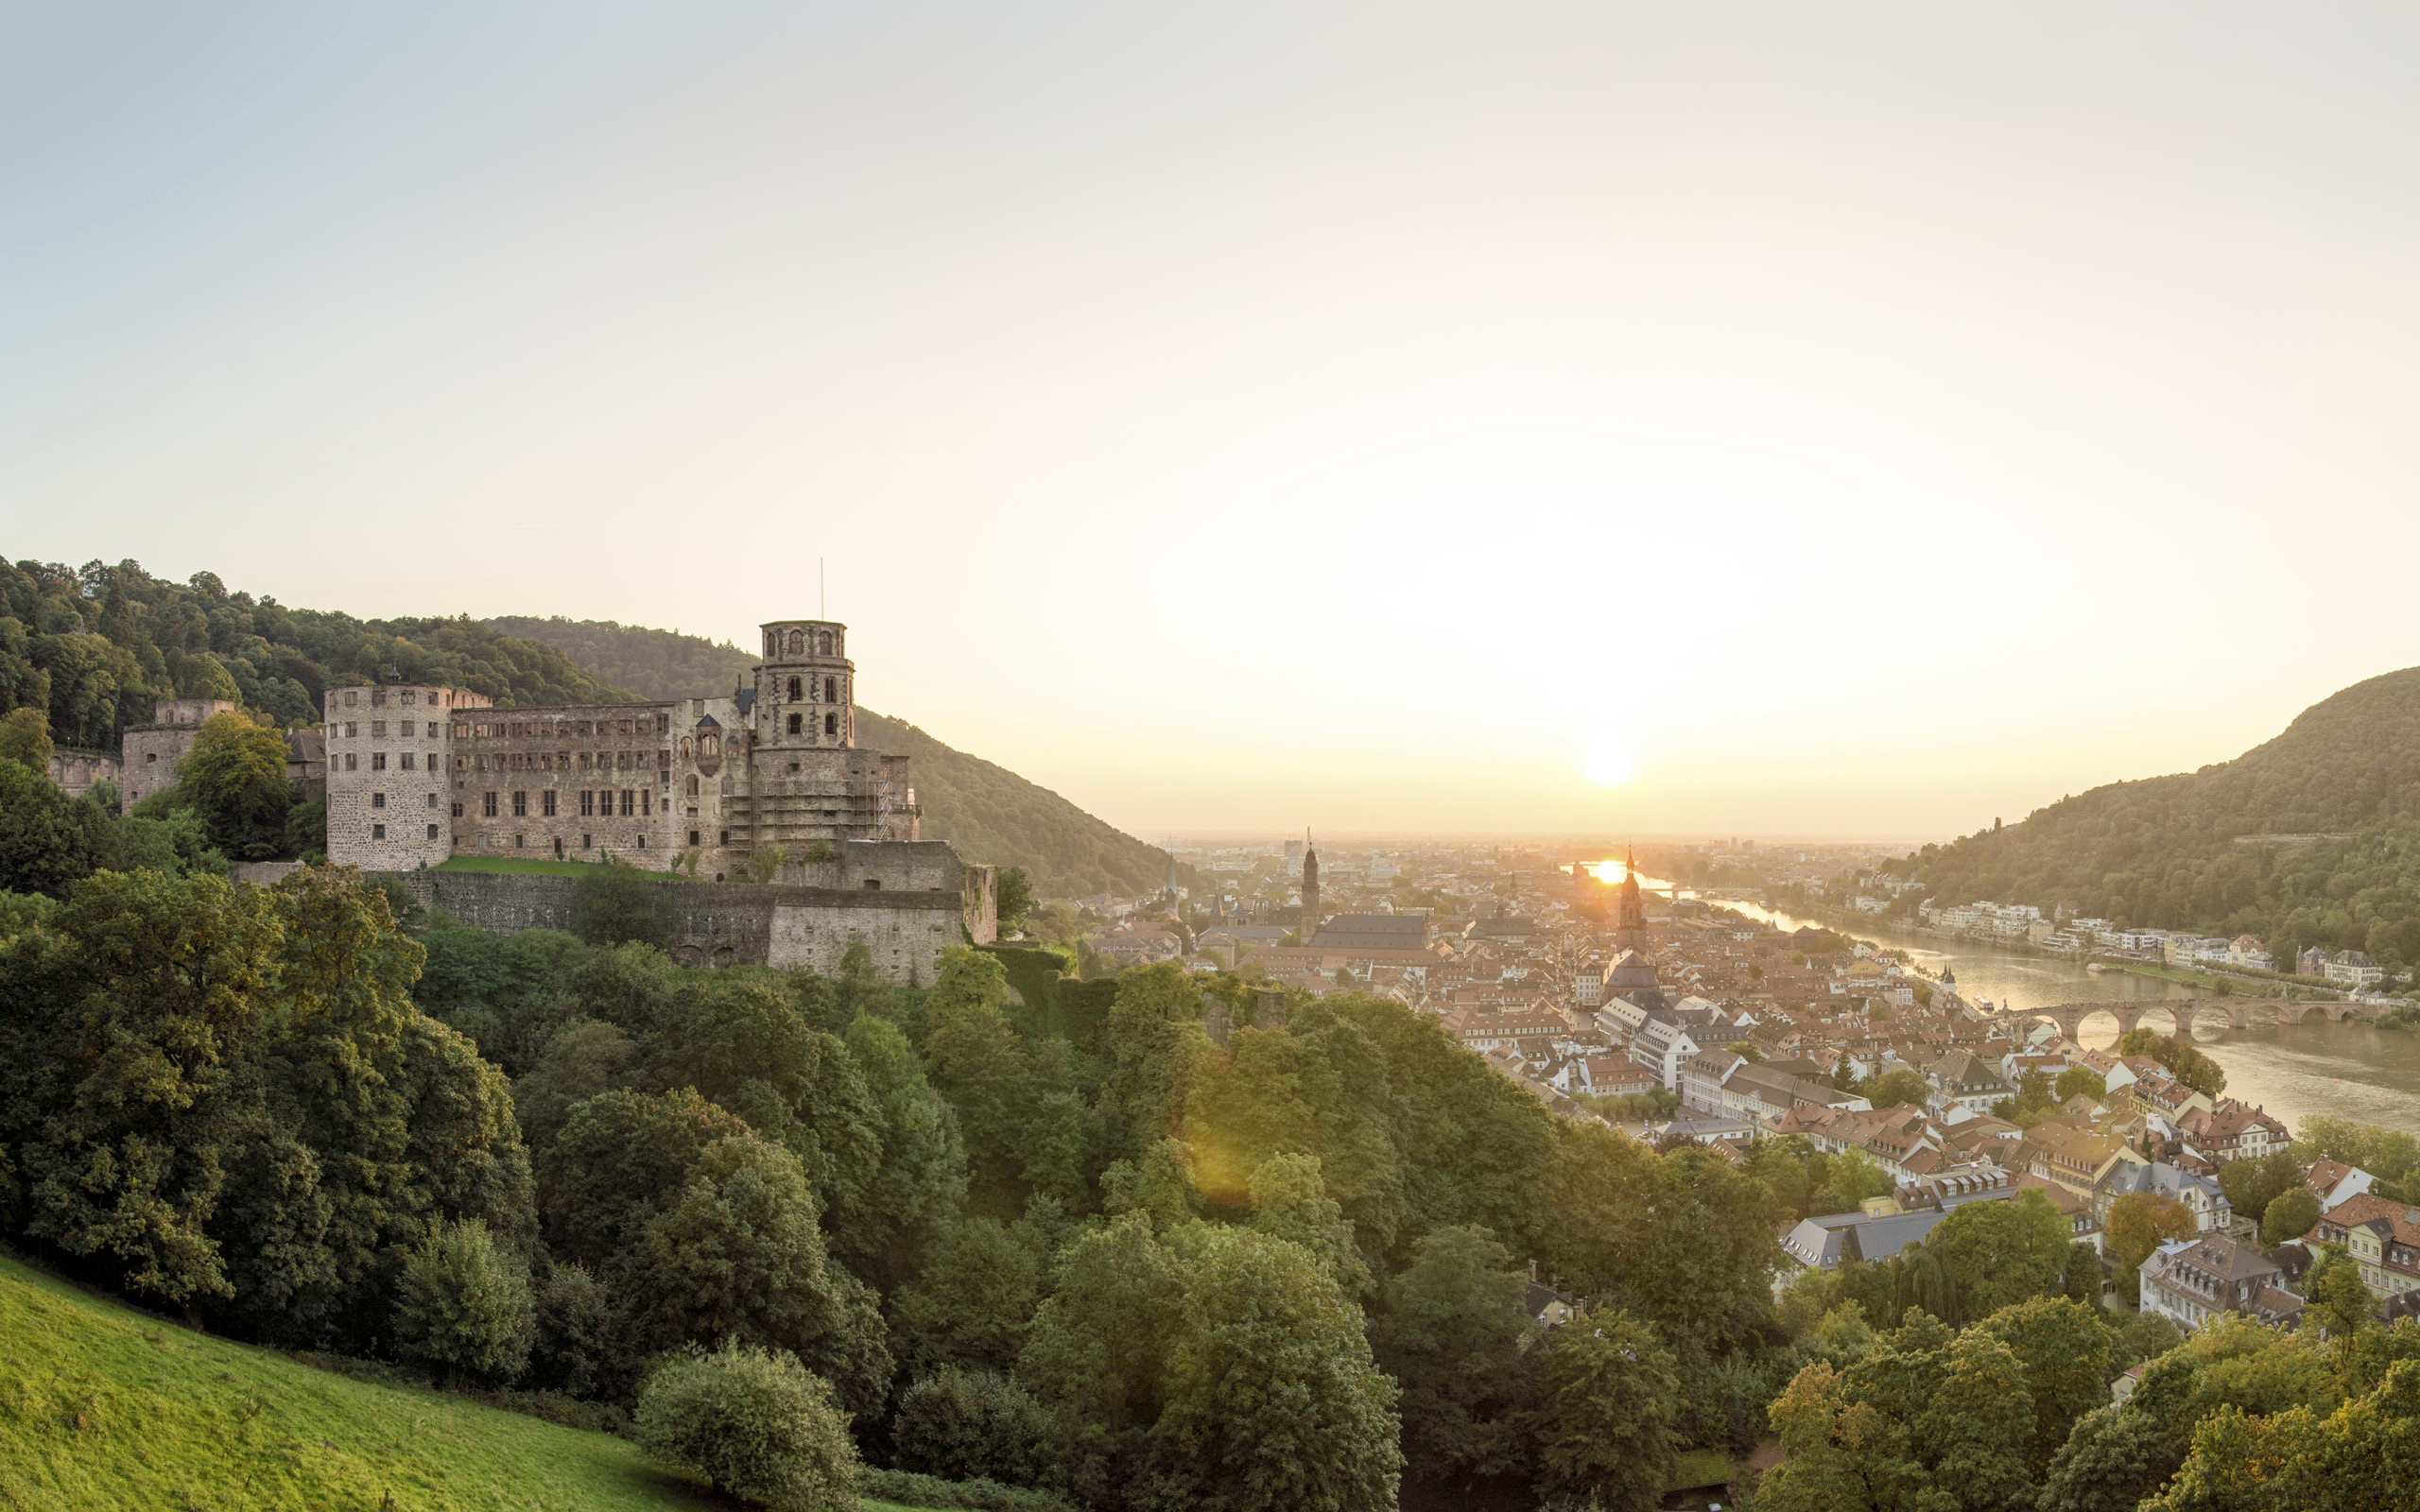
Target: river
2342, 1070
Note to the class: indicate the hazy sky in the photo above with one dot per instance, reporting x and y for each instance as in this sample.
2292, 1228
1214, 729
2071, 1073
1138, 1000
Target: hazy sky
1833, 418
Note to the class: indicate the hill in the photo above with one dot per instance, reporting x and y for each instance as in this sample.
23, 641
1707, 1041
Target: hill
96, 647
2310, 839
103, 1407
987, 812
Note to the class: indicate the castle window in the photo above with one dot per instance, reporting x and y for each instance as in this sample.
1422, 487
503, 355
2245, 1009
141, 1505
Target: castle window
377, 697
726, 837
487, 804
794, 692
831, 690
432, 729
647, 801
798, 644
585, 842
377, 800
149, 757
377, 761
351, 729
824, 641
693, 838
630, 797
378, 832
547, 802
407, 760
432, 800
520, 842
351, 762
873, 885
831, 723
351, 698
586, 809
410, 697
434, 761
432, 831
377, 727
521, 805
794, 723
693, 787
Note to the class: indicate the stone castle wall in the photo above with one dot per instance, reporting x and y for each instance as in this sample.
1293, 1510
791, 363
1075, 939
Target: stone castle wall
78, 770
742, 924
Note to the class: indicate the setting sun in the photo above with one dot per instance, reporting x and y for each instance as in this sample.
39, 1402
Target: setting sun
1610, 761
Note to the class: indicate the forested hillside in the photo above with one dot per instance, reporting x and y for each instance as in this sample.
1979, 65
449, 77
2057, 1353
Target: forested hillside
96, 646
2312, 838
988, 812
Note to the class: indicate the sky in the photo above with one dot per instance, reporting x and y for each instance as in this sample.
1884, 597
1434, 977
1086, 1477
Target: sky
1698, 416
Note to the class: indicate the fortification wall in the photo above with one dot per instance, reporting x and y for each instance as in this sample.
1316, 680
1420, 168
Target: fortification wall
732, 923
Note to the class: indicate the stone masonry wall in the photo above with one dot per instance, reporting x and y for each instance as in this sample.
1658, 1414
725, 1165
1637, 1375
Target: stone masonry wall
732, 923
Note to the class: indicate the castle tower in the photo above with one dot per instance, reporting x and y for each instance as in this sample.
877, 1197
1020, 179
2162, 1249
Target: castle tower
1631, 924
805, 690
1310, 890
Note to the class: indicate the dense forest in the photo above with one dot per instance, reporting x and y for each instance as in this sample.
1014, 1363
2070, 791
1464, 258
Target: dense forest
988, 812
2312, 838
96, 646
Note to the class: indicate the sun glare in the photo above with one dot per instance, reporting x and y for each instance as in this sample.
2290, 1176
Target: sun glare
1610, 761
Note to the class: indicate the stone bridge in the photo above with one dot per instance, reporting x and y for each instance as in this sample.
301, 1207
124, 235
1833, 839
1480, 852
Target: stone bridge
2177, 1015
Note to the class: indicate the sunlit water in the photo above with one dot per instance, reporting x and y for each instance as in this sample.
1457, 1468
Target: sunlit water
2297, 1072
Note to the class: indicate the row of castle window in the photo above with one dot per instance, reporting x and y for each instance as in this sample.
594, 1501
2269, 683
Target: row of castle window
560, 729
593, 801
378, 800
830, 725
378, 831
550, 761
405, 727
407, 760
521, 842
831, 690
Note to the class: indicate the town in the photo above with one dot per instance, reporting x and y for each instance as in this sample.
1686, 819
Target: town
1683, 1020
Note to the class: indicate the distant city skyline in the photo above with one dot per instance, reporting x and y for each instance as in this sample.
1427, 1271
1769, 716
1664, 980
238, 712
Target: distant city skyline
1549, 419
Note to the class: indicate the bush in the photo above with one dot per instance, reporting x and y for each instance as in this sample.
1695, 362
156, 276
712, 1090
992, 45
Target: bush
463, 1305
911, 1489
616, 904
756, 1424
972, 1424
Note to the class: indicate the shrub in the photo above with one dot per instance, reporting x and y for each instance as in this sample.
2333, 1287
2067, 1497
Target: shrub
616, 903
972, 1424
911, 1489
756, 1424
463, 1305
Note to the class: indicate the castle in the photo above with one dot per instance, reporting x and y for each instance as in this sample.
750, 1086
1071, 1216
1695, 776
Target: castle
766, 784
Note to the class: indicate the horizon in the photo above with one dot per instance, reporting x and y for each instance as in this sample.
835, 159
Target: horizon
1589, 419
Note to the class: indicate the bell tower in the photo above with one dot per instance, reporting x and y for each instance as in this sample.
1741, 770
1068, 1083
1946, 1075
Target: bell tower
1310, 889
806, 688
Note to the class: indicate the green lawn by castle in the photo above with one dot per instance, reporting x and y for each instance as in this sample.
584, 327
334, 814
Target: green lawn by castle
533, 864
103, 1408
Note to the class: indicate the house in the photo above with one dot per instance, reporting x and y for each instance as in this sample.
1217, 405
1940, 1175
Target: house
2332, 1181
1823, 1243
1966, 1082
2198, 1194
2231, 1130
2353, 970
2382, 1237
1604, 1075
1662, 1045
2189, 1281
2246, 952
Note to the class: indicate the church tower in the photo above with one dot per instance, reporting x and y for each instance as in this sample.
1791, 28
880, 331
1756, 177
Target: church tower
1631, 923
1310, 890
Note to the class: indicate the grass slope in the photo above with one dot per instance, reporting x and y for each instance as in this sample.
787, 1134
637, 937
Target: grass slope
103, 1408
986, 811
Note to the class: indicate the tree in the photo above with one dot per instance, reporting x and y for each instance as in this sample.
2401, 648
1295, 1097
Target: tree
755, 1424
2001, 1253
2190, 1066
1095, 1351
2289, 1215
2139, 1223
48, 839
2339, 1300
973, 1303
2252, 1185
25, 738
1270, 1399
463, 1305
615, 902
1015, 899
1601, 1422
973, 1424
1904, 1087
1453, 1329
235, 777
2080, 1081
2062, 1345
